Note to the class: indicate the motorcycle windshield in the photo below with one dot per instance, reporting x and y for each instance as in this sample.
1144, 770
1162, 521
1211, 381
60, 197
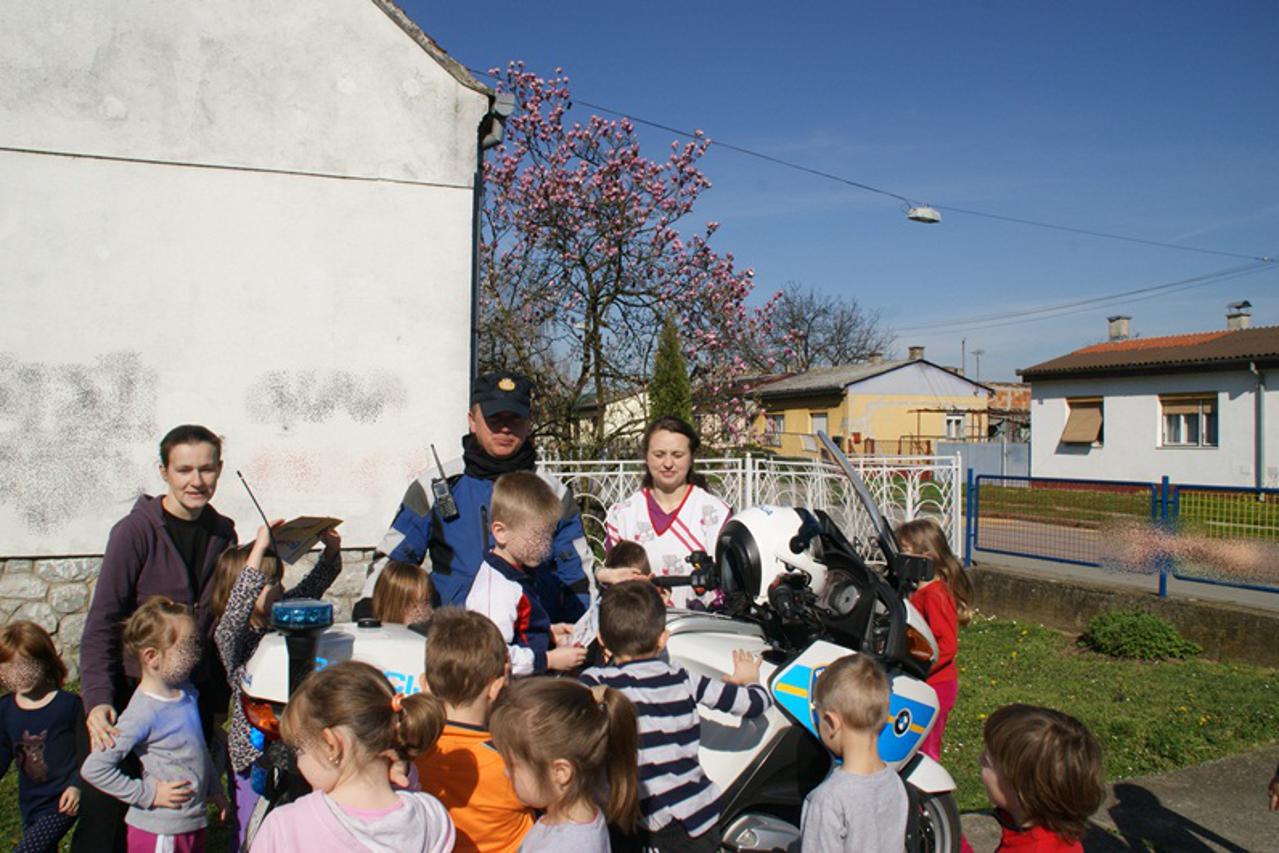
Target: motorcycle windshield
884, 533
912, 708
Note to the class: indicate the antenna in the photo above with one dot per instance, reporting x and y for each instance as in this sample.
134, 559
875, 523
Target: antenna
258, 506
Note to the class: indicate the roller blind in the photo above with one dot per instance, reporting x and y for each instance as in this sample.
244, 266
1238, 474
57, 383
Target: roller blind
1187, 405
1084, 424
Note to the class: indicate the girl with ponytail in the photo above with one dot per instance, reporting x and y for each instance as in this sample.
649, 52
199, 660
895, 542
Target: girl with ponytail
347, 727
571, 753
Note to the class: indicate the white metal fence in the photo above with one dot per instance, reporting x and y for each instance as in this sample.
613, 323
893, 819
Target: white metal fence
905, 487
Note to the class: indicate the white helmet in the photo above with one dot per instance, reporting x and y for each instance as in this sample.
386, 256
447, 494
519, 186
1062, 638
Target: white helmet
754, 548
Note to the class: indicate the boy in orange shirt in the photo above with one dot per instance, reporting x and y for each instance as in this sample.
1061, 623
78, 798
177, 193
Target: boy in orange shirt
467, 665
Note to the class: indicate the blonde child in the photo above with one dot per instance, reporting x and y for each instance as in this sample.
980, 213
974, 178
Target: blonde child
42, 729
862, 805
347, 726
402, 594
1042, 771
162, 726
945, 602
680, 803
466, 669
246, 583
524, 511
563, 744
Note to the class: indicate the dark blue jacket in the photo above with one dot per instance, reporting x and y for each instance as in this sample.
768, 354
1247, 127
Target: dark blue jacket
456, 548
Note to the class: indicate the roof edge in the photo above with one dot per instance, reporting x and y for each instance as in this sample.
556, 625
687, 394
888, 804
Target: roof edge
1214, 366
448, 63
842, 387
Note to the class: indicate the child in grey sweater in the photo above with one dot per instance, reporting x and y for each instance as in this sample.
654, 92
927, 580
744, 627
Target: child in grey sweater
862, 804
162, 725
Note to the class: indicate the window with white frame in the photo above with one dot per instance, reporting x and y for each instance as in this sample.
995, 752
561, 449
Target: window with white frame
1188, 421
819, 422
954, 425
774, 426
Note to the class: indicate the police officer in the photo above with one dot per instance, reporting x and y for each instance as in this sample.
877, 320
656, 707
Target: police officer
455, 543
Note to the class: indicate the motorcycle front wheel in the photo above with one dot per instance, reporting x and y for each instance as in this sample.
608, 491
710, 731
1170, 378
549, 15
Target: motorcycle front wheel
939, 827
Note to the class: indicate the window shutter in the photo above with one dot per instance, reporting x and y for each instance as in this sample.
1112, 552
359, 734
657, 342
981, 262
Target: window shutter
1084, 424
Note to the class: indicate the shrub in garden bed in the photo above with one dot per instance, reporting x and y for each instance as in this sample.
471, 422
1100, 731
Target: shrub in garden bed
1137, 635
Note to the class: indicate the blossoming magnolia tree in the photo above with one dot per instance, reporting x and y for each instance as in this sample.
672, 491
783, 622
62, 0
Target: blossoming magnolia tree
582, 260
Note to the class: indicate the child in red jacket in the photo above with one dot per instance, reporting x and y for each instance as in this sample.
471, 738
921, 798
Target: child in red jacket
945, 602
1042, 771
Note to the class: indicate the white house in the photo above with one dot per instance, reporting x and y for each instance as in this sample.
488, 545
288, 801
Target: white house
256, 216
1198, 408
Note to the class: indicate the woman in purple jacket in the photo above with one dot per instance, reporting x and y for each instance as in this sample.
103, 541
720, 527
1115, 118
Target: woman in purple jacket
167, 545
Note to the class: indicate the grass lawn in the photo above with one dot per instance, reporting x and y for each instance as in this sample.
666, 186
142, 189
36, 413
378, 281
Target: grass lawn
1149, 716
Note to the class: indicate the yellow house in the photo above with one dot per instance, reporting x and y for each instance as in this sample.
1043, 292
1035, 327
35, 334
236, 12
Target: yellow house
884, 407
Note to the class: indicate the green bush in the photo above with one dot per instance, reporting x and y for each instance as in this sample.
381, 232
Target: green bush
1136, 634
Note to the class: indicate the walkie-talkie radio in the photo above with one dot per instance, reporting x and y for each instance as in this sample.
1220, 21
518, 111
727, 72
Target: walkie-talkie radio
440, 491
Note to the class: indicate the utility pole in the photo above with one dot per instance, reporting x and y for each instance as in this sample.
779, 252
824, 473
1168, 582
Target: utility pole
963, 356
977, 354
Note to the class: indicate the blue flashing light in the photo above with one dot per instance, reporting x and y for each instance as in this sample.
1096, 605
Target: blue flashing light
301, 613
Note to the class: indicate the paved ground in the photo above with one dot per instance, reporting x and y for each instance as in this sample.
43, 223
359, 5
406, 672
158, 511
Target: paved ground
1220, 805
1128, 580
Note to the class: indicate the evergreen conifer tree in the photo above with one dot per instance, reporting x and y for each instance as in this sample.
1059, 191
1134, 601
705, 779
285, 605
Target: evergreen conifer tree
669, 393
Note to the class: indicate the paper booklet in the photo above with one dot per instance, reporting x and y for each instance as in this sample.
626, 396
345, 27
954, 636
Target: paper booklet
294, 539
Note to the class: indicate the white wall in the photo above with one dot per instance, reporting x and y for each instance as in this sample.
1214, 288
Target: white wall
319, 322
1131, 416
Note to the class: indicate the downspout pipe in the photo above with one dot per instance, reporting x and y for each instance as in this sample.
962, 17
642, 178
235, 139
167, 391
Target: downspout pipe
1259, 428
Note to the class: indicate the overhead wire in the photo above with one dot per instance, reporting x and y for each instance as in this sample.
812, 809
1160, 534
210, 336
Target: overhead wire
1036, 223
1206, 278
1174, 287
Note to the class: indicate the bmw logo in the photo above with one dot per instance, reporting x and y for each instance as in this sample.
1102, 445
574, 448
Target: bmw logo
901, 723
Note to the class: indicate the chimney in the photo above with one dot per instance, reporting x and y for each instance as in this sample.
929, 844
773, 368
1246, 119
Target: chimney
876, 357
1239, 315
916, 353
1118, 327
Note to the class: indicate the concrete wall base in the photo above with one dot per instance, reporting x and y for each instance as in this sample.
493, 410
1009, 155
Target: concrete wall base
1226, 631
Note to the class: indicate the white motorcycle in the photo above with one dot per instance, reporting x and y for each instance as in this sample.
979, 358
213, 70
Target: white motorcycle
795, 591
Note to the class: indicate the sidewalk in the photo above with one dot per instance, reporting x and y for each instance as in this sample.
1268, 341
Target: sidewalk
1177, 589
1216, 806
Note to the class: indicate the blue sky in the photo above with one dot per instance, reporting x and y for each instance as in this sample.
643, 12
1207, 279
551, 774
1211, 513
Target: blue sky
1153, 120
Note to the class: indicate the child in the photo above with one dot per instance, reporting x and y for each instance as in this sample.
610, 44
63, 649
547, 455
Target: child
402, 594
623, 555
467, 666
246, 584
680, 805
162, 726
862, 805
1042, 771
347, 725
564, 743
42, 728
525, 512
945, 602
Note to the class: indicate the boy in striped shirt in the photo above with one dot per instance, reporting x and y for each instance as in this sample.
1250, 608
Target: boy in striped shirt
679, 805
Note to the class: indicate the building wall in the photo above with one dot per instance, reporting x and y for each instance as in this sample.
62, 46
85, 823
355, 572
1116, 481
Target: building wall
798, 411
308, 298
886, 408
1132, 422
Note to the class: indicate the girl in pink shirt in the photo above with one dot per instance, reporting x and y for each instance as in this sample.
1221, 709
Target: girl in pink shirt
347, 725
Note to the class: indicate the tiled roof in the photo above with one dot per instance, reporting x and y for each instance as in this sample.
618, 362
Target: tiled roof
1154, 343
1217, 349
823, 379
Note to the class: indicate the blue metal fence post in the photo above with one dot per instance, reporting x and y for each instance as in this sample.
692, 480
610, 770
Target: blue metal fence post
970, 521
1163, 529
